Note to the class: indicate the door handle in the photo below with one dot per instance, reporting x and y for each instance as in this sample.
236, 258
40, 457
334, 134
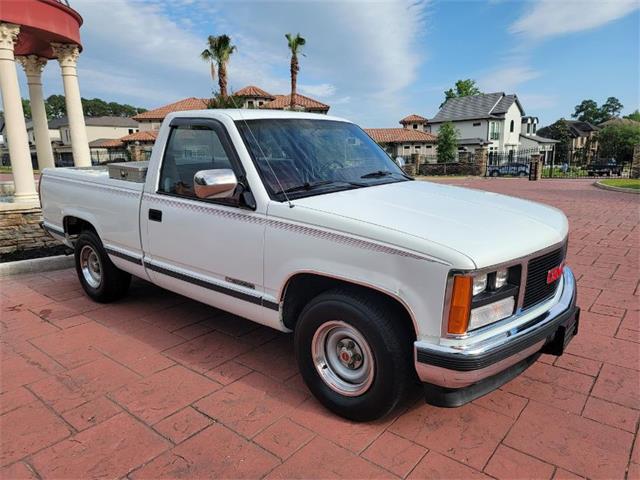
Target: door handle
155, 215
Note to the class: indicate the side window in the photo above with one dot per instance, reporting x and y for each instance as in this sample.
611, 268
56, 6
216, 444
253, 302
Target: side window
189, 150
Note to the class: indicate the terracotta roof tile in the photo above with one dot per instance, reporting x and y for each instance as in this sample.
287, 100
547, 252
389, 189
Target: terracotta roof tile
399, 135
159, 113
413, 119
106, 143
253, 91
282, 101
146, 136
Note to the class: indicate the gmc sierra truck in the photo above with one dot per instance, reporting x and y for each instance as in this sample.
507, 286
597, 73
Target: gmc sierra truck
301, 222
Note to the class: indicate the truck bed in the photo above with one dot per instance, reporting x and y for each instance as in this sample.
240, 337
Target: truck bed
88, 194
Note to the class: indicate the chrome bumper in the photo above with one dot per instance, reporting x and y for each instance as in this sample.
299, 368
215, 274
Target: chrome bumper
457, 367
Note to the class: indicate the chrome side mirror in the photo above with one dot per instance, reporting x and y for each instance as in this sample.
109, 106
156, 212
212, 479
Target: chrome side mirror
219, 183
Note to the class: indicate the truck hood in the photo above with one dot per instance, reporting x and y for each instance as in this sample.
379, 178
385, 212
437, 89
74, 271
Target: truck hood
486, 227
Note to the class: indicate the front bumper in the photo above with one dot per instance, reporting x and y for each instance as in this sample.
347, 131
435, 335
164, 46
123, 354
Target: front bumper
455, 375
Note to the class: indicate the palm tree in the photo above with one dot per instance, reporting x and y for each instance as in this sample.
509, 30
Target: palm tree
219, 50
295, 43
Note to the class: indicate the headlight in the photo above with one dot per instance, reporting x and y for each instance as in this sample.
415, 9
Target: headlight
479, 284
482, 299
501, 278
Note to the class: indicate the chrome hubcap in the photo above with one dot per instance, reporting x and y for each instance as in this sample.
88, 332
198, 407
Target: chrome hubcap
90, 266
343, 358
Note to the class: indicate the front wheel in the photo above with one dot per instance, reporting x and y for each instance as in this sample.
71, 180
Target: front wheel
354, 353
99, 277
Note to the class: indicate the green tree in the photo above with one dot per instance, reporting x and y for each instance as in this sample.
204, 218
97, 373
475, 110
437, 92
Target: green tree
26, 108
218, 51
447, 143
55, 106
610, 109
230, 101
589, 111
618, 140
635, 116
558, 131
295, 44
463, 88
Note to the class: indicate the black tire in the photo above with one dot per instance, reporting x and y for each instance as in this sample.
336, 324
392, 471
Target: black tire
389, 340
113, 283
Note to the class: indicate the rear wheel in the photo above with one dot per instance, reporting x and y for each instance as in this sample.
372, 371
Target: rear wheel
354, 353
99, 277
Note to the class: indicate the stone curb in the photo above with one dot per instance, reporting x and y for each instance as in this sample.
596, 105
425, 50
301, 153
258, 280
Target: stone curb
615, 189
36, 265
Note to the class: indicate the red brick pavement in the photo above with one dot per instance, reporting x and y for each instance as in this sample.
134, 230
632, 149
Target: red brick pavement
160, 386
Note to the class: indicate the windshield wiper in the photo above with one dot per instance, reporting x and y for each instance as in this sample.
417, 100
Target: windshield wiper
384, 173
312, 185
377, 174
306, 186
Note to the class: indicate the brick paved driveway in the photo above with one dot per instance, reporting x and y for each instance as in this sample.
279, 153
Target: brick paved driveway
159, 386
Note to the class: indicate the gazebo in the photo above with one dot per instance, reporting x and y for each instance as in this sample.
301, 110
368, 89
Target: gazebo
32, 32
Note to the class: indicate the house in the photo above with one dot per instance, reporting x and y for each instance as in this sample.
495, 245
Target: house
302, 103
97, 128
415, 122
584, 135
253, 97
407, 142
492, 119
151, 119
530, 140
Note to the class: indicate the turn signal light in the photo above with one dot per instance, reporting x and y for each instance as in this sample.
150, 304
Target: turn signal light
460, 308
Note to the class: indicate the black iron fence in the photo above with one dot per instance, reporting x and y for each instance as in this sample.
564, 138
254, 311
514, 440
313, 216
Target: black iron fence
578, 163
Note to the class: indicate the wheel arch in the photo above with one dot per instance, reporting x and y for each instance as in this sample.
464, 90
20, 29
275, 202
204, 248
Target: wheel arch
303, 286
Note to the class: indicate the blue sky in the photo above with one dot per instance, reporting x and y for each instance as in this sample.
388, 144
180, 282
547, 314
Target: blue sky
373, 62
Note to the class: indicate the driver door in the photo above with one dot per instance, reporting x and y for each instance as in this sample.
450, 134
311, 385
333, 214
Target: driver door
207, 249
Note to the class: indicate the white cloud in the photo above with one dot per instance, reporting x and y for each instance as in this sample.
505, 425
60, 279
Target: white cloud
321, 90
360, 57
550, 18
507, 79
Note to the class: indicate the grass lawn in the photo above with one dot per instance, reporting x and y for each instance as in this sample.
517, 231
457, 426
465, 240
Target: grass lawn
631, 183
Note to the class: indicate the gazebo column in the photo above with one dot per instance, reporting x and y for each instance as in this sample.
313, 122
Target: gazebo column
16, 128
33, 66
68, 54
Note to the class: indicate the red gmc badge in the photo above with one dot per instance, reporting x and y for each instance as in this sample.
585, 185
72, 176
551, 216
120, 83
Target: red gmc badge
555, 273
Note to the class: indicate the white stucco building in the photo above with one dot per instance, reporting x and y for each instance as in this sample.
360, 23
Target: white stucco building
491, 119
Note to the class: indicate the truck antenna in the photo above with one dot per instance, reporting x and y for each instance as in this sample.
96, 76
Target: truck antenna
255, 140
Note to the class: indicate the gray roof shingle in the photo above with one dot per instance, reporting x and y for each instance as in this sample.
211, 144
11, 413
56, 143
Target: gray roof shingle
484, 105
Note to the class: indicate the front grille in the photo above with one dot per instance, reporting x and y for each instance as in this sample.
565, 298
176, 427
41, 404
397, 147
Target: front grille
537, 289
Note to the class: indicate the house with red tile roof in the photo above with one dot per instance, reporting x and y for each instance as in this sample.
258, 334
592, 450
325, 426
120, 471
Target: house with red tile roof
253, 97
151, 119
407, 141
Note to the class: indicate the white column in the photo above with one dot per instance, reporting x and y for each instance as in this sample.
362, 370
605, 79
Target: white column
33, 66
68, 54
16, 129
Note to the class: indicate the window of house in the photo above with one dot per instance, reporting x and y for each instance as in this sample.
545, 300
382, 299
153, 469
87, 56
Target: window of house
260, 104
476, 124
428, 147
130, 131
494, 131
250, 103
417, 148
407, 147
528, 128
189, 150
535, 126
415, 126
512, 126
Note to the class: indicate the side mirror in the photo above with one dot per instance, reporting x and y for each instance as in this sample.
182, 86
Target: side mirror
219, 183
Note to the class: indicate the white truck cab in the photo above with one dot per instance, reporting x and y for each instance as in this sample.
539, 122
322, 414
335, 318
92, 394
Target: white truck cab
302, 223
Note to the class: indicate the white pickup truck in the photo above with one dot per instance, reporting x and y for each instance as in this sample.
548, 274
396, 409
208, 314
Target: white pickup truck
302, 223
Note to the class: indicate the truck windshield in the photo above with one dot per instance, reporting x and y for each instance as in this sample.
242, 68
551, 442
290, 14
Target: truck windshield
301, 157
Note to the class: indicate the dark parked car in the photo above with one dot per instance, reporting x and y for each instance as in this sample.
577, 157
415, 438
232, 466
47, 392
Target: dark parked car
603, 167
509, 169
